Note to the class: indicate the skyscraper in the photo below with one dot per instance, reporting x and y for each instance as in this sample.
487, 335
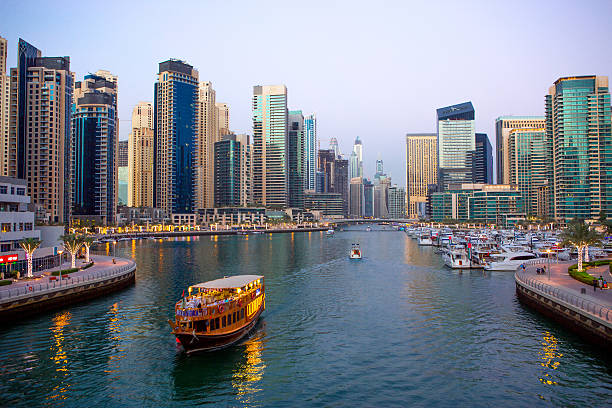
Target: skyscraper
482, 164
227, 172
335, 176
368, 198
123, 172
223, 118
296, 156
397, 199
122, 157
5, 92
333, 145
356, 197
356, 159
310, 152
456, 144
530, 167
579, 125
246, 170
94, 150
39, 134
503, 126
270, 145
175, 104
141, 156
421, 170
207, 135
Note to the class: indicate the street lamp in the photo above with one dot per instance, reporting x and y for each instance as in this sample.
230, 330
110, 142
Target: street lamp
548, 252
114, 250
60, 252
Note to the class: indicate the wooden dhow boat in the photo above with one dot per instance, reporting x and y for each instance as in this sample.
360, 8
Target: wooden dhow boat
218, 313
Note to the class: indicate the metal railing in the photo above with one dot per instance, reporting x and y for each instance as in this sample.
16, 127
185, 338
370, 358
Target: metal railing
11, 294
579, 302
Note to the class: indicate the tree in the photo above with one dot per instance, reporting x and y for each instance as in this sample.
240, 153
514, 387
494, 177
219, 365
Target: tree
87, 243
29, 245
72, 243
579, 235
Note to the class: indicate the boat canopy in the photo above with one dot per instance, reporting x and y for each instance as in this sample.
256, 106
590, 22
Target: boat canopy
229, 282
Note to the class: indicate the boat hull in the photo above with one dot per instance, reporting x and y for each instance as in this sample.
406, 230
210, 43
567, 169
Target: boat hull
193, 343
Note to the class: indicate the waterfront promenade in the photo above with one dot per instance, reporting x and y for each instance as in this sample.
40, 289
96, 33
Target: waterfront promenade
556, 294
44, 292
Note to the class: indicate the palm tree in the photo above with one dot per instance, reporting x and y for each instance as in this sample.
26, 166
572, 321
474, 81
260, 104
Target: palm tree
87, 243
579, 235
592, 238
72, 243
29, 245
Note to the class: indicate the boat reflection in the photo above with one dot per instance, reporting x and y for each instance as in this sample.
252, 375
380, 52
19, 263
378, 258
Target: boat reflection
247, 376
59, 357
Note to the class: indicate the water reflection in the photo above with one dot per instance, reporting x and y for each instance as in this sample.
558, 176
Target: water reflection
117, 352
246, 377
549, 357
59, 357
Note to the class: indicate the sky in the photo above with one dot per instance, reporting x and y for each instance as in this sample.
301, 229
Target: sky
373, 69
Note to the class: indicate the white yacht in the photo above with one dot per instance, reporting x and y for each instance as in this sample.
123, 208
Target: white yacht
425, 239
457, 258
355, 252
508, 261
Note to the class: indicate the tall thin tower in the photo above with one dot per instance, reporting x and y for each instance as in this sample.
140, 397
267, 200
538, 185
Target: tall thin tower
141, 156
207, 135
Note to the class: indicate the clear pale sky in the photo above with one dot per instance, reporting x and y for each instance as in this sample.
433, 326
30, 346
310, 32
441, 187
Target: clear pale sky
374, 69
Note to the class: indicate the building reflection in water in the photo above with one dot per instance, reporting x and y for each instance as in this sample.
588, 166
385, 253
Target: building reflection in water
247, 375
114, 327
59, 357
550, 358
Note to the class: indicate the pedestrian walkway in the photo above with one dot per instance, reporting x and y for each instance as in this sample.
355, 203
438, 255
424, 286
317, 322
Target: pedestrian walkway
101, 264
559, 277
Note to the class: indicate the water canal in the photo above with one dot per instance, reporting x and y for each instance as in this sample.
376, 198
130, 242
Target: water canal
395, 329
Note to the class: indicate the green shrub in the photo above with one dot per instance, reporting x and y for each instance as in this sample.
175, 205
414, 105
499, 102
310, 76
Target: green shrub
5, 282
89, 265
583, 276
64, 271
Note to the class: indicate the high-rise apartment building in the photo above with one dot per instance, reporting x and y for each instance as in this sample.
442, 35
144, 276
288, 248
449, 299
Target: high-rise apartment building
356, 159
381, 198
5, 92
227, 172
456, 144
270, 166
222, 118
579, 125
246, 170
141, 156
123, 172
296, 157
175, 104
421, 171
334, 176
310, 152
503, 126
530, 168
482, 161
397, 202
122, 157
368, 198
94, 150
207, 135
356, 198
39, 133
333, 145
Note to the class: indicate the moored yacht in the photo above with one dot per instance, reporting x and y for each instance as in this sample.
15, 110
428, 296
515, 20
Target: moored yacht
218, 313
509, 261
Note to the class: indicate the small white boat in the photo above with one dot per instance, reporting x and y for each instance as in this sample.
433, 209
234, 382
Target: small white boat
330, 231
509, 261
458, 259
425, 240
355, 252
369, 228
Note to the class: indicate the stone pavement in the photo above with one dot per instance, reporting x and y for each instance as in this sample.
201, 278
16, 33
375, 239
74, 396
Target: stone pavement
559, 277
101, 264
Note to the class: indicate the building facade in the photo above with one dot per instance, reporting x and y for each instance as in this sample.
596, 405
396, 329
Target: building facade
227, 172
207, 135
578, 122
296, 153
270, 164
356, 198
482, 165
5, 92
141, 156
397, 202
503, 126
94, 151
246, 170
329, 204
16, 221
421, 171
310, 152
175, 105
530, 168
39, 130
456, 144
356, 159
223, 123
368, 198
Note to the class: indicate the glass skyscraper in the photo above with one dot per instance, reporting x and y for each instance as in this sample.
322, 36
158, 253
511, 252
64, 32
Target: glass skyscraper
482, 165
579, 125
296, 155
456, 144
310, 152
176, 95
227, 172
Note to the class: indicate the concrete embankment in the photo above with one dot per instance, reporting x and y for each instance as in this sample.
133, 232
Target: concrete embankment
45, 293
576, 306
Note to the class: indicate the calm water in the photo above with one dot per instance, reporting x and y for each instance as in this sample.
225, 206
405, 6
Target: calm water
394, 329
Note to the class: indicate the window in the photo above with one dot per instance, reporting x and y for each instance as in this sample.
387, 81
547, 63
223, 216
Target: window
241, 313
3, 189
234, 318
223, 321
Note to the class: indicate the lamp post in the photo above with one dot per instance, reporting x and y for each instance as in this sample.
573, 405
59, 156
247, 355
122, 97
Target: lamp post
60, 252
548, 252
114, 249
